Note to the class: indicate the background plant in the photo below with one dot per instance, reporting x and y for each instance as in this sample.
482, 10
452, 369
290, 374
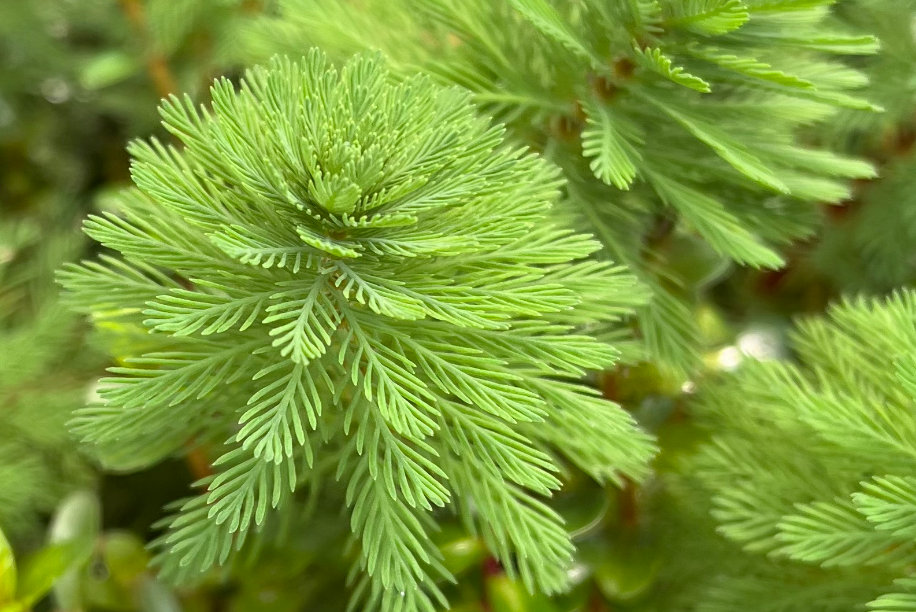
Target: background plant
809, 482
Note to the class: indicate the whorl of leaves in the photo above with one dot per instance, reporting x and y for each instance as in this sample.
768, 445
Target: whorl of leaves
665, 115
337, 267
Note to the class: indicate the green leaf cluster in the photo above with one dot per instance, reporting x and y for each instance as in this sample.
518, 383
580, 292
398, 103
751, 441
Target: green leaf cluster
667, 116
43, 373
809, 468
343, 277
868, 246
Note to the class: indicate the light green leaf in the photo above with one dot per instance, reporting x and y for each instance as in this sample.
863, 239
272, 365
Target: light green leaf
890, 503
833, 534
545, 18
904, 600
723, 231
272, 421
658, 62
306, 321
726, 147
748, 66
708, 17
209, 527
183, 312
609, 141
7, 571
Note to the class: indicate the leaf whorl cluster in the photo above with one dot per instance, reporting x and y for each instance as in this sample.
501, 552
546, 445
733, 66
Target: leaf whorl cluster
662, 113
347, 276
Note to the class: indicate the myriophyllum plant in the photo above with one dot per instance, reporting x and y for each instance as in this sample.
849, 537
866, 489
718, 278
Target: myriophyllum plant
668, 117
348, 277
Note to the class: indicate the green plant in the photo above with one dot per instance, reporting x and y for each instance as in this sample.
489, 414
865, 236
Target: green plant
868, 245
809, 470
43, 373
345, 278
668, 117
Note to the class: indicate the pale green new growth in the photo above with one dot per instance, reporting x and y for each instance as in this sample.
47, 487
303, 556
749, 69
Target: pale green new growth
339, 269
665, 115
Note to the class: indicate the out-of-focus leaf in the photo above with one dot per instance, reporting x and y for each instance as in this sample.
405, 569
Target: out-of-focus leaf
631, 384
507, 595
77, 521
627, 570
461, 551
77, 518
714, 331
677, 439
576, 600
468, 606
156, 597
125, 556
44, 568
583, 510
108, 69
100, 592
694, 262
7, 571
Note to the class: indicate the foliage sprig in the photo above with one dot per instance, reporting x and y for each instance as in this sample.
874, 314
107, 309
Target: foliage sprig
341, 270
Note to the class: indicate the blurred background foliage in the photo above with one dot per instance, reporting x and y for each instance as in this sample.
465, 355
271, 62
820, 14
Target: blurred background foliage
79, 78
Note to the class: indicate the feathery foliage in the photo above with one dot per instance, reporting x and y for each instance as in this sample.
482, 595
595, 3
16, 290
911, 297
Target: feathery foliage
341, 269
42, 378
809, 467
873, 237
667, 116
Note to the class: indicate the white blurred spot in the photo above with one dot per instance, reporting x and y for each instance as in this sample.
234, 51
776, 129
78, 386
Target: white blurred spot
55, 90
729, 358
689, 387
763, 345
6, 255
577, 573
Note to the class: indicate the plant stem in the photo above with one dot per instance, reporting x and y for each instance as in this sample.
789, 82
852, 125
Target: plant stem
156, 63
